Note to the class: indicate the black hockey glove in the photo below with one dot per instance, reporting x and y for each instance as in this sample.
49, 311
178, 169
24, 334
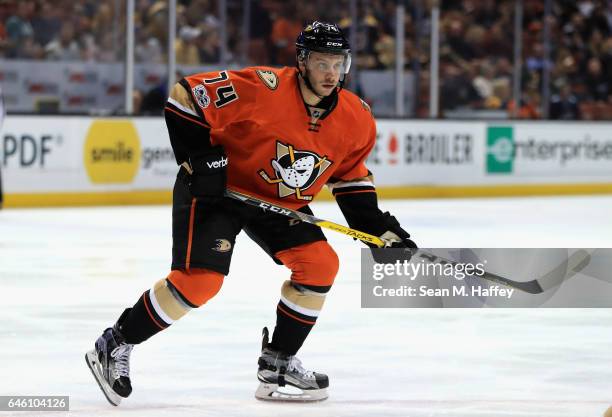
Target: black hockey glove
395, 238
208, 174
395, 235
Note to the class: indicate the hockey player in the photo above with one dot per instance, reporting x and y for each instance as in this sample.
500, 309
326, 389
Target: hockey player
279, 134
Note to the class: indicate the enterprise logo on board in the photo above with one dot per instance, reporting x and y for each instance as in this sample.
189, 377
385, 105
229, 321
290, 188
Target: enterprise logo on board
500, 149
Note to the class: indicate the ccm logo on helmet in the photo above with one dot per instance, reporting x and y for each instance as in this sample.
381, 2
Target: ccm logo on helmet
334, 44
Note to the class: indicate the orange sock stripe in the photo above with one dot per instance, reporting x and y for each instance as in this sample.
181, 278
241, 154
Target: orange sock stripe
354, 192
190, 238
144, 298
294, 317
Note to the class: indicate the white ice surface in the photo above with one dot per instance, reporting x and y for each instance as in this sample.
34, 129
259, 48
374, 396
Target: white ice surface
66, 274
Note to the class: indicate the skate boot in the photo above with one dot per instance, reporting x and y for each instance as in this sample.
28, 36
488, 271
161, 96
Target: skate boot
109, 363
283, 378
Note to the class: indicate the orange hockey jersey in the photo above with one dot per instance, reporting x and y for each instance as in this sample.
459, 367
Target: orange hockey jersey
279, 149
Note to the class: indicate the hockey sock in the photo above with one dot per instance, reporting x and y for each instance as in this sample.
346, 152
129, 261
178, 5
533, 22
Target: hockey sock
296, 314
168, 300
154, 311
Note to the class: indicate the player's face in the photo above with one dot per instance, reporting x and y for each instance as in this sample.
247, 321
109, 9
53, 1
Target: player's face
324, 71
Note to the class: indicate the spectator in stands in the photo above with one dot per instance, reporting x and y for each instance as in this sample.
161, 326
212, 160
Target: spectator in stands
455, 39
186, 46
503, 67
529, 107
485, 12
4, 44
46, 22
535, 58
30, 49
599, 16
148, 48
475, 36
210, 48
19, 26
102, 20
564, 105
385, 51
597, 85
595, 43
201, 12
565, 66
496, 42
155, 24
606, 58
483, 81
366, 29
106, 51
64, 47
456, 90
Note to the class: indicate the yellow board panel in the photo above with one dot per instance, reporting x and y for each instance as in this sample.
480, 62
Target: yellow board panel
165, 196
87, 199
510, 190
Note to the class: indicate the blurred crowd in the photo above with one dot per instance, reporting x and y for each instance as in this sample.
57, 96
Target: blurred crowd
477, 56
476, 48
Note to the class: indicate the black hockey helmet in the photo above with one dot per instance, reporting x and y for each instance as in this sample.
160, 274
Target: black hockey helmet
323, 37
326, 38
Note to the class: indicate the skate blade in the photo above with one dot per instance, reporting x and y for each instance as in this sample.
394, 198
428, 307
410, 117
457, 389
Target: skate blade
95, 367
288, 393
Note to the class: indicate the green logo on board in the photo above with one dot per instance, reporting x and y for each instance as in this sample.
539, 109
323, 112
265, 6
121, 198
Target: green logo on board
500, 149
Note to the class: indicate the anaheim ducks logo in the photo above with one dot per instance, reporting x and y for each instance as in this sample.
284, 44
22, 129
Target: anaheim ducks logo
295, 170
269, 78
222, 245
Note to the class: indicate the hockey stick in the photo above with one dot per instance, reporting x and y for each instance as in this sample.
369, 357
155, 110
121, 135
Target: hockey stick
297, 215
531, 287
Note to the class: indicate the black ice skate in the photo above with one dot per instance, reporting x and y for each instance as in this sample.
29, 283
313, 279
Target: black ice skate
283, 378
109, 363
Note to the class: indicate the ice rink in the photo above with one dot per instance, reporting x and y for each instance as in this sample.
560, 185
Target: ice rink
66, 274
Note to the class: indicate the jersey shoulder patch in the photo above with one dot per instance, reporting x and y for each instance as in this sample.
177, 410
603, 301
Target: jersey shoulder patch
200, 94
365, 105
268, 77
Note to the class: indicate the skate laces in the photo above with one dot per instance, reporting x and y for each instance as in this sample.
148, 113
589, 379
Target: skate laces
121, 354
296, 365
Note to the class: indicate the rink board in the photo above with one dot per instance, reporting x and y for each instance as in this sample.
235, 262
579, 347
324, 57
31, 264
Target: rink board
59, 161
